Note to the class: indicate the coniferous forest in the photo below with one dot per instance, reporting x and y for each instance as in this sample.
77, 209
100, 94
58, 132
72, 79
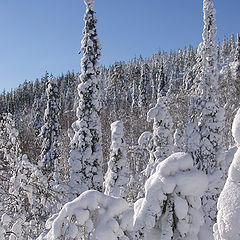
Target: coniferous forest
144, 149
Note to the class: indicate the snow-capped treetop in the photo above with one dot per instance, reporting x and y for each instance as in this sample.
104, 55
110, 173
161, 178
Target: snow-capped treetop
52, 80
162, 138
208, 53
145, 139
89, 4
158, 112
236, 127
117, 131
210, 28
117, 175
91, 46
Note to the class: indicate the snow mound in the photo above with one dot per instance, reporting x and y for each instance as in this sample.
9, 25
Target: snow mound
228, 221
92, 215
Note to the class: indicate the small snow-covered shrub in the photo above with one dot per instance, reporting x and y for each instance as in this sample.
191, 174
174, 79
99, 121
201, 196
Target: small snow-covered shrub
93, 215
171, 208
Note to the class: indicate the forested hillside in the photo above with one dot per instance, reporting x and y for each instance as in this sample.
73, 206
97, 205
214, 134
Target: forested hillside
129, 90
163, 122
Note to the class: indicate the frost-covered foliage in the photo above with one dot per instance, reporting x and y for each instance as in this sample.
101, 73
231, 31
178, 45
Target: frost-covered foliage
135, 90
15, 205
237, 59
144, 86
160, 142
10, 154
227, 226
16, 221
9, 149
36, 116
46, 198
203, 136
162, 138
178, 140
138, 159
50, 131
92, 215
117, 175
171, 208
86, 143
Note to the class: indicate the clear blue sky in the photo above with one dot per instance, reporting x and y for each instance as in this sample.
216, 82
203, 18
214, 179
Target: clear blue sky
40, 35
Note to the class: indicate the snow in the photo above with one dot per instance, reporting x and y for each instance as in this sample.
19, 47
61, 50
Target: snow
236, 127
144, 139
117, 175
228, 221
176, 162
175, 183
102, 217
86, 142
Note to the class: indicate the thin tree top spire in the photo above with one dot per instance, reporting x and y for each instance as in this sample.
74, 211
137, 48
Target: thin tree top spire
209, 33
207, 51
91, 46
89, 3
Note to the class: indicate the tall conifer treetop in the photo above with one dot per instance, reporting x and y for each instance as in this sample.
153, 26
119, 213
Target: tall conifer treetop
89, 3
50, 131
209, 30
207, 50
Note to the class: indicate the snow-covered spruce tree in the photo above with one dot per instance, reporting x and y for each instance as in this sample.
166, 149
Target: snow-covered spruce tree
15, 223
162, 136
117, 175
36, 116
86, 153
138, 157
159, 143
45, 200
135, 90
154, 84
171, 208
12, 203
227, 226
161, 83
50, 131
77, 219
9, 153
203, 136
49, 190
144, 87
